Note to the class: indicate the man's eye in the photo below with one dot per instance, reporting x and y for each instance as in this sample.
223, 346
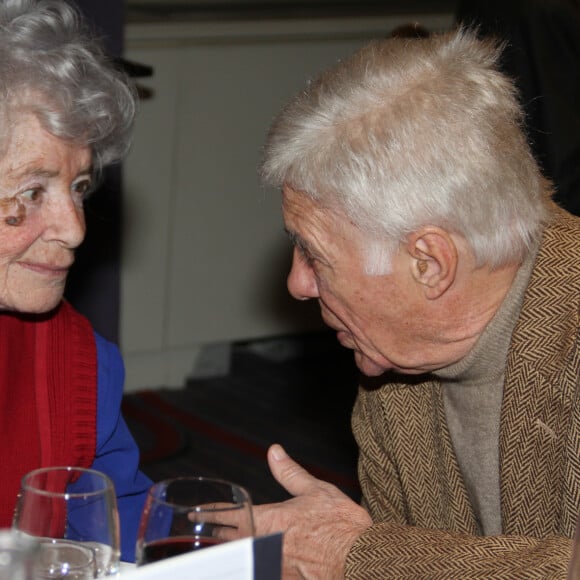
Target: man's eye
306, 257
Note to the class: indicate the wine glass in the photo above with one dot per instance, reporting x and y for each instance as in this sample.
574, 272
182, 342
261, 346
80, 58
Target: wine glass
185, 514
61, 506
64, 560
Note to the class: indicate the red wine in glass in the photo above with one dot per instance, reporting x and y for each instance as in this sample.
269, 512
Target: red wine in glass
174, 546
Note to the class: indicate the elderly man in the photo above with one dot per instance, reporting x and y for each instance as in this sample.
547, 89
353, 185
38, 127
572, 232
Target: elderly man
424, 228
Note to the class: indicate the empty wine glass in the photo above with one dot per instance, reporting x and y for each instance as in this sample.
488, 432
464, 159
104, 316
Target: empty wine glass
70, 505
64, 560
185, 514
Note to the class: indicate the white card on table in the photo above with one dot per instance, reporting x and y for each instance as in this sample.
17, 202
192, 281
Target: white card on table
247, 559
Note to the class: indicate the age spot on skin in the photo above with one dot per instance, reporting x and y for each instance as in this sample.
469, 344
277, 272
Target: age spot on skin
18, 219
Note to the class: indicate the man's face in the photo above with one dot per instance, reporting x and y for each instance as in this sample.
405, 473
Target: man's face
377, 316
43, 181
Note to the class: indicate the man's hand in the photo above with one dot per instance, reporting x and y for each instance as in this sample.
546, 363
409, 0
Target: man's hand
320, 523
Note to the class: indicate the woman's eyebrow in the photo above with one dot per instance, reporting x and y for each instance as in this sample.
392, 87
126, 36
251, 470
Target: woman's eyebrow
33, 170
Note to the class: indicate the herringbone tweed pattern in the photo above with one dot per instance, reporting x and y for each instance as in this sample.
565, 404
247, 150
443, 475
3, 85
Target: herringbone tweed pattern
425, 526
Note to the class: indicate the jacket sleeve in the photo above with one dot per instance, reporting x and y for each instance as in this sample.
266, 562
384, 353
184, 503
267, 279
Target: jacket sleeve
388, 550
117, 454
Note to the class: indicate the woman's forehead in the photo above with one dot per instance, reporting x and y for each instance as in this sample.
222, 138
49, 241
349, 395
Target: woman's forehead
32, 152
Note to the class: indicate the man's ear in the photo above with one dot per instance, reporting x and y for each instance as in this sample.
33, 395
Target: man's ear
434, 260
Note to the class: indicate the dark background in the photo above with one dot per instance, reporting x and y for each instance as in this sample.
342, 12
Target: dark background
93, 284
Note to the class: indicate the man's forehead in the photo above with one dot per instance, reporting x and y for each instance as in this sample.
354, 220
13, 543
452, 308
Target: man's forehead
301, 224
300, 210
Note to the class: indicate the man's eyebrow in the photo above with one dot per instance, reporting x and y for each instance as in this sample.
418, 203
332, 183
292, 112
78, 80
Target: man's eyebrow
297, 241
305, 249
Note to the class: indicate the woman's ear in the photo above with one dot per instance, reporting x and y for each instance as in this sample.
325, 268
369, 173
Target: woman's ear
434, 260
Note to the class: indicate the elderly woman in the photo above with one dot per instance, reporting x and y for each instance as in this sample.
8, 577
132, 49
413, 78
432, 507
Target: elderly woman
65, 114
425, 231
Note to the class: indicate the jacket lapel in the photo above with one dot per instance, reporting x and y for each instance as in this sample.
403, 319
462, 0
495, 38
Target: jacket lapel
539, 395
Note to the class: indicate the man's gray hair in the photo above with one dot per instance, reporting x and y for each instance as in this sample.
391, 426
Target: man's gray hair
413, 132
51, 65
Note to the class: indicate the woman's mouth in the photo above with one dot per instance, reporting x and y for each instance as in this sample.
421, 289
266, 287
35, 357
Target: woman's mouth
51, 270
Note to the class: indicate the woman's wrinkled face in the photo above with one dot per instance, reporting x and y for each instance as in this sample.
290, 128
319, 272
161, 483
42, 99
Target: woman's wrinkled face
377, 316
43, 183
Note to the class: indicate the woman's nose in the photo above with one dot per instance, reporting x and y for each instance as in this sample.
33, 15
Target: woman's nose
65, 222
301, 282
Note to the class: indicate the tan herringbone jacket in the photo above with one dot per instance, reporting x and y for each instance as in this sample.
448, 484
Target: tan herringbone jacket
424, 524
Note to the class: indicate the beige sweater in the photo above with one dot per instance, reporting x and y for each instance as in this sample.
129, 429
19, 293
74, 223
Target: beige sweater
472, 395
425, 524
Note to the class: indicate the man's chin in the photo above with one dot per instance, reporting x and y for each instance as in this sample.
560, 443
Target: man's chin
367, 366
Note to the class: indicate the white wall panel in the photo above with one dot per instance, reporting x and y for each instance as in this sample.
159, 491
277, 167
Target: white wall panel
205, 257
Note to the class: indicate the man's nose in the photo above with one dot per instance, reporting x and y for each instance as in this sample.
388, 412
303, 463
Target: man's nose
301, 282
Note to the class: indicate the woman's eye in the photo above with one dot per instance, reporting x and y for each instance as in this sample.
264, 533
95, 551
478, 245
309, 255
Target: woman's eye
82, 188
32, 195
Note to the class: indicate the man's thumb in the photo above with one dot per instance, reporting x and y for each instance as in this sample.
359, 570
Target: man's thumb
291, 476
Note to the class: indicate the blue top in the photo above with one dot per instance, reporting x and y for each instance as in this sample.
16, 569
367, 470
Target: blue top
117, 454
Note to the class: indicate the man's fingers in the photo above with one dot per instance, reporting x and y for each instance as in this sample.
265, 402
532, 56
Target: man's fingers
294, 478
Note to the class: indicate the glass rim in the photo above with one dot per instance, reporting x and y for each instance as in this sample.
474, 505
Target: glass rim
26, 485
196, 507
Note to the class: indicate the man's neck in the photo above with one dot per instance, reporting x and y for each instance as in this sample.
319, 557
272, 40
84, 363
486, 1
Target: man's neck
466, 310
